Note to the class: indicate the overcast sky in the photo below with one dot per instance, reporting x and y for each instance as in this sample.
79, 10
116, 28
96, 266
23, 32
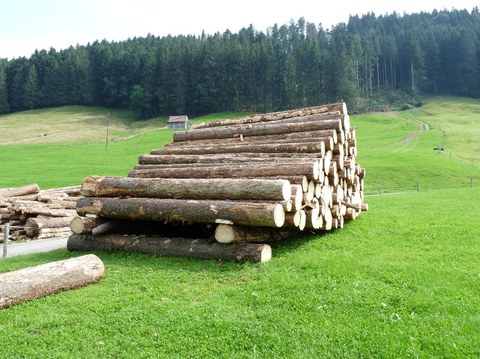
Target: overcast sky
26, 25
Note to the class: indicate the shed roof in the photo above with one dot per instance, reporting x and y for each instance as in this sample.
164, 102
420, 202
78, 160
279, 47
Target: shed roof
176, 119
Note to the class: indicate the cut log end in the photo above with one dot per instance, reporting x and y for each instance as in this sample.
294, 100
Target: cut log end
265, 253
226, 234
279, 215
286, 190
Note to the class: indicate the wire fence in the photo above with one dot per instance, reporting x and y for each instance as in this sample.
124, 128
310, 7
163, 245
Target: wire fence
420, 186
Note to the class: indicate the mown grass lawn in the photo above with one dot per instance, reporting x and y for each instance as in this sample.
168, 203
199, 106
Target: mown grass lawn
401, 281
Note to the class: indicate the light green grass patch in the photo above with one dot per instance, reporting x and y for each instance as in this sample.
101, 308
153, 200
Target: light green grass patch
458, 119
72, 125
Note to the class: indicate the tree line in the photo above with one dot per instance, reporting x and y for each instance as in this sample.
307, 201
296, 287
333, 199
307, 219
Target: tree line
289, 66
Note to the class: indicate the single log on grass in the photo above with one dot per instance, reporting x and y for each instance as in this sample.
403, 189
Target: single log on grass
178, 210
232, 189
19, 191
225, 233
46, 279
178, 247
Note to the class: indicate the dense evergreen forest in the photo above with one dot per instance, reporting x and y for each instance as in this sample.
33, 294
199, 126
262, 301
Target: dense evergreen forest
288, 66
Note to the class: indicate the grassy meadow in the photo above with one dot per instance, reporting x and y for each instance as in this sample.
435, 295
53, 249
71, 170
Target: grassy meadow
402, 281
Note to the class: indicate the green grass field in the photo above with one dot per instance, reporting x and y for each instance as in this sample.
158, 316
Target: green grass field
401, 281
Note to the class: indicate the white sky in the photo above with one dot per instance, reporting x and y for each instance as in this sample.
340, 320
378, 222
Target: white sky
26, 25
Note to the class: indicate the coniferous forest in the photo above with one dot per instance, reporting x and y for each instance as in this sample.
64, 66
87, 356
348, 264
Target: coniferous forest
288, 66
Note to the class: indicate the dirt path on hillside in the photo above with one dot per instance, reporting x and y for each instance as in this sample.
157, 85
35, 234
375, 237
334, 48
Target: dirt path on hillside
422, 126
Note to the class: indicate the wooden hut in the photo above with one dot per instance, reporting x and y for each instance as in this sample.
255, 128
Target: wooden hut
178, 122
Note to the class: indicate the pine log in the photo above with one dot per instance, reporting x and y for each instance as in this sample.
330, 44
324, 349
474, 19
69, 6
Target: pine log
178, 210
178, 247
232, 189
53, 232
19, 191
43, 211
46, 279
251, 157
85, 225
309, 169
225, 233
227, 158
253, 141
336, 108
317, 148
49, 197
297, 196
351, 214
260, 129
314, 220
295, 136
33, 226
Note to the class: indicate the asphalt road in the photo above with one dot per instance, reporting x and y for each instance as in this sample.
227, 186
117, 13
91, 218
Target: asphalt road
34, 246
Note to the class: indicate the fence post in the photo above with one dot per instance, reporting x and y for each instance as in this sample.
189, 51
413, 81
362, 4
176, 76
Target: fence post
418, 186
471, 182
6, 234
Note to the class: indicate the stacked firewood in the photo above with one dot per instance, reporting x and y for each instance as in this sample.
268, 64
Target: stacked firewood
35, 213
256, 179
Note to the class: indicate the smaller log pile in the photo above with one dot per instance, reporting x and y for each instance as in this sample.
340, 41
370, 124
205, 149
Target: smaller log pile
255, 179
35, 213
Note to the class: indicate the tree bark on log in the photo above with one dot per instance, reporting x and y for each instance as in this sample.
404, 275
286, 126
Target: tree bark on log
53, 232
35, 282
19, 191
226, 158
317, 148
177, 210
285, 137
230, 189
84, 225
260, 129
249, 157
329, 109
33, 226
225, 233
178, 247
309, 169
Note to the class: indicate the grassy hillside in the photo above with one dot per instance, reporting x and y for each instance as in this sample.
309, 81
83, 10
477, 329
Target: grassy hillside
72, 125
74, 146
397, 152
401, 281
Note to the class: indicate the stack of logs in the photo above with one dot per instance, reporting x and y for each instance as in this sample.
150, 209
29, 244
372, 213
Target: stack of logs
32, 213
256, 179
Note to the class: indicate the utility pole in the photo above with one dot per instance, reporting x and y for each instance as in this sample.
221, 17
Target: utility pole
413, 83
106, 135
